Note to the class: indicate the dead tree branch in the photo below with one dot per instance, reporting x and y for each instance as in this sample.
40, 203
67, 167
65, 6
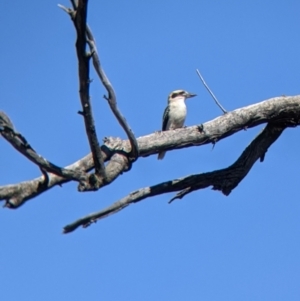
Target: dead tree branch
280, 110
210, 92
111, 98
224, 180
19, 142
112, 101
79, 19
96, 181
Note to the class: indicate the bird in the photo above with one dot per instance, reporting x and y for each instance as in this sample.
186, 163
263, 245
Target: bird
175, 113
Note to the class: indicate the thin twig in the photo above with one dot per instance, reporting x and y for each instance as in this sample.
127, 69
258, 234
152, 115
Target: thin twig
65, 9
224, 180
211, 93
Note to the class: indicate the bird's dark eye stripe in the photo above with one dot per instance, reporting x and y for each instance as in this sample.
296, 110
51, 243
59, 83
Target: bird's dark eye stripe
175, 94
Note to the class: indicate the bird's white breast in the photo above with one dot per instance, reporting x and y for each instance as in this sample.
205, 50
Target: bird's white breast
177, 114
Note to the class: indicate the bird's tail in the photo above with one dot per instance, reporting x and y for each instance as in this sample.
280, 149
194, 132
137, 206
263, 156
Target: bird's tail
161, 155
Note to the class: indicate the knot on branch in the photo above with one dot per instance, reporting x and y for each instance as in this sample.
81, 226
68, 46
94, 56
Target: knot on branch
113, 145
118, 163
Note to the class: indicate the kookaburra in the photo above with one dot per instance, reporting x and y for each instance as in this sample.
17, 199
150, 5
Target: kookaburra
175, 112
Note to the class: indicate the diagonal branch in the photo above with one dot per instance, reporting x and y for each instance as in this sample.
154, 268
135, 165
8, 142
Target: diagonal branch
19, 142
210, 92
224, 180
134, 153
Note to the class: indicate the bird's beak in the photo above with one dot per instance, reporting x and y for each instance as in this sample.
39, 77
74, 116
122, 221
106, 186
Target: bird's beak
190, 95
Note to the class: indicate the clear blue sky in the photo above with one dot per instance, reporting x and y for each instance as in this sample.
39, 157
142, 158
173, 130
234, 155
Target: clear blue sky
204, 247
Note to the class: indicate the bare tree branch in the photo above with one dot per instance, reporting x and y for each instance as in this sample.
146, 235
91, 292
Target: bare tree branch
95, 181
210, 92
134, 153
67, 10
224, 180
275, 109
17, 194
5, 122
79, 20
112, 101
19, 142
117, 164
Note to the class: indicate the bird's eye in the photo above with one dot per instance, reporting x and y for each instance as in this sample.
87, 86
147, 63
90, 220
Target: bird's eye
174, 95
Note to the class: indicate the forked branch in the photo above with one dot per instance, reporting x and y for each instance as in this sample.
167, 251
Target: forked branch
224, 180
279, 109
111, 98
96, 182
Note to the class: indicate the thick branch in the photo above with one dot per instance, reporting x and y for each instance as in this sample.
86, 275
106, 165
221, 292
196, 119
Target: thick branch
224, 180
117, 164
84, 83
275, 109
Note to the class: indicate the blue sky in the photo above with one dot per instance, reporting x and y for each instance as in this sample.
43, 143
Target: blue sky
203, 247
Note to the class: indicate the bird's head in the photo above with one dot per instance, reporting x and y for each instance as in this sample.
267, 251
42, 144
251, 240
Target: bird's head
180, 95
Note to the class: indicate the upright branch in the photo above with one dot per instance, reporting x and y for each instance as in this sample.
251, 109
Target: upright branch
134, 153
112, 100
79, 19
117, 163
